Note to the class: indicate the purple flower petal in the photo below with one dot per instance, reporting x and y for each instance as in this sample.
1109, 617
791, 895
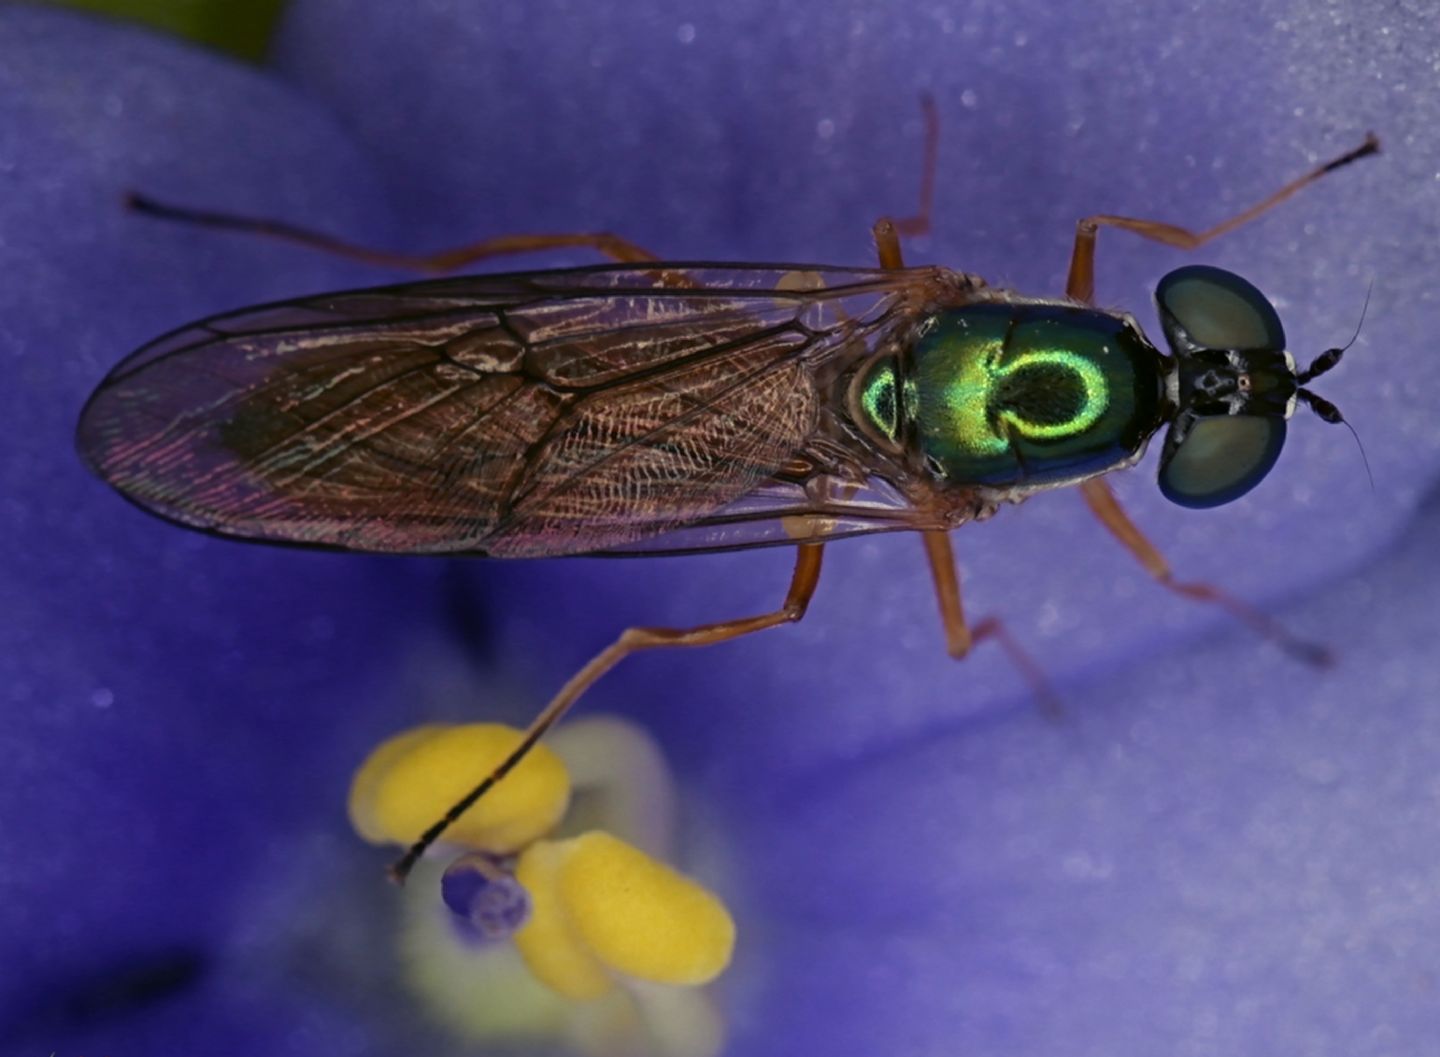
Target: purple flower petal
1216, 851
182, 713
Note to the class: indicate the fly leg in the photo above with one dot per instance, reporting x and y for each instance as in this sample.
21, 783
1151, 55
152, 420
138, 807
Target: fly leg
632, 640
1107, 508
612, 246
960, 638
887, 244
1081, 283
887, 232
919, 224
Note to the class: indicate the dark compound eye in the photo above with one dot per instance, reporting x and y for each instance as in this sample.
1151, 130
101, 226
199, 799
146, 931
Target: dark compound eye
1208, 462
1211, 308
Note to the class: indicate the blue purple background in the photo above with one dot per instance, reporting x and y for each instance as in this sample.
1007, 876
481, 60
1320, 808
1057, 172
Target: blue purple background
1216, 852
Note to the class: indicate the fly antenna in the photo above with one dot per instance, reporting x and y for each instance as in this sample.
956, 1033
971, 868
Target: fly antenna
1328, 412
1330, 357
1324, 409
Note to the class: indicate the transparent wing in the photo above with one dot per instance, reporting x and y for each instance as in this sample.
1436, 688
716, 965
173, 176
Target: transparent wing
788, 509
530, 414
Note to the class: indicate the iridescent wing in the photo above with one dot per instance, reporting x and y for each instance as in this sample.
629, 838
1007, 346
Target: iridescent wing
534, 414
795, 505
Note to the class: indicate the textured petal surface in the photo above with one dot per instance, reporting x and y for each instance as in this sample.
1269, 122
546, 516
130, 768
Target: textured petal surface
1216, 852
181, 715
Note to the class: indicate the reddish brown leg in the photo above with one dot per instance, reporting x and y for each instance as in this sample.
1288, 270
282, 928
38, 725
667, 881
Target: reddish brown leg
1112, 515
919, 224
612, 246
887, 244
887, 232
631, 640
1081, 283
960, 638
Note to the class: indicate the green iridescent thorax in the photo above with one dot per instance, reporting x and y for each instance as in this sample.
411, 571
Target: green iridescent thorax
1007, 394
877, 396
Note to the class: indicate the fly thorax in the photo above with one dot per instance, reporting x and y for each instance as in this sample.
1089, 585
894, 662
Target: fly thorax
874, 402
1028, 394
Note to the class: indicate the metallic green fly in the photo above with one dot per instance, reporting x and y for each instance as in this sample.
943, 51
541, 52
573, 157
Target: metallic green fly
650, 407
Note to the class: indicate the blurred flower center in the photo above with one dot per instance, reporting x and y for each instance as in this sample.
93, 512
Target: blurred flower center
560, 919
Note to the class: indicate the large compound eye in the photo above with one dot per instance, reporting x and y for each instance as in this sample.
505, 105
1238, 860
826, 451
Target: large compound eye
1211, 461
1211, 308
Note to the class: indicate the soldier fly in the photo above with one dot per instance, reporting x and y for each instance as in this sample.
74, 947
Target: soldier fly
647, 407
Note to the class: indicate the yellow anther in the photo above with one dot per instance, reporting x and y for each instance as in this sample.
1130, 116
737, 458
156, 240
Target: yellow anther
547, 942
409, 782
601, 910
